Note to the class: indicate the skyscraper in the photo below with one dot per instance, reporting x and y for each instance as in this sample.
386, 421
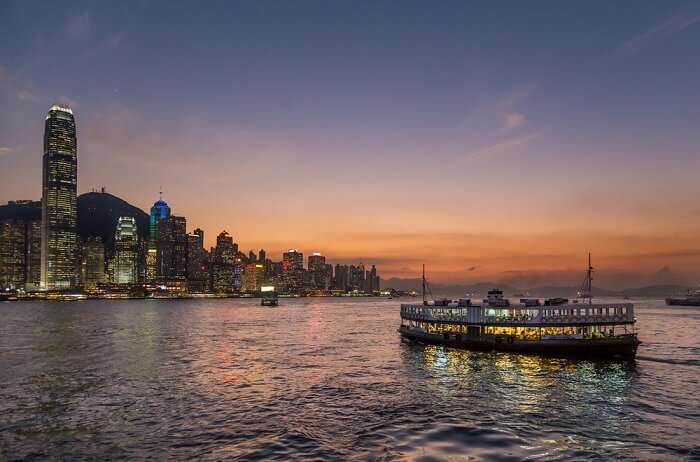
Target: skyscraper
12, 254
159, 211
126, 252
197, 262
254, 277
171, 243
59, 201
320, 276
93, 263
223, 262
293, 271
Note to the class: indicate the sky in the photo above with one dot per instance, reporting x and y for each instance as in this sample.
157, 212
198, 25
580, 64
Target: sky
492, 141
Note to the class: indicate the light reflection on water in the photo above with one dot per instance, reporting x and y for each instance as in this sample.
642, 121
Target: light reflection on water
325, 379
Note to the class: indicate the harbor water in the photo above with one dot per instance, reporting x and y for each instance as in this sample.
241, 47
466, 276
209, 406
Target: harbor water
326, 379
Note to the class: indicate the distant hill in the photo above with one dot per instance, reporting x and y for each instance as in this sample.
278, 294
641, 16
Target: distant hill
655, 291
481, 288
97, 214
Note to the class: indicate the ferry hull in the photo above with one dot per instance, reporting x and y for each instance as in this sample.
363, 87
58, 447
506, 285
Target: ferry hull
620, 347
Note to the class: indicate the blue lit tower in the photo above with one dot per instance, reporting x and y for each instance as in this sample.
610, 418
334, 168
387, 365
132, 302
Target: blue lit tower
159, 211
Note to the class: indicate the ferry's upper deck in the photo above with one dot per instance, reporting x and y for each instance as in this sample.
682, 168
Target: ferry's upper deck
523, 314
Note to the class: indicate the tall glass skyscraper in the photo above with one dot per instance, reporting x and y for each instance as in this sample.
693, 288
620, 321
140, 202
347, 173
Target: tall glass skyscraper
59, 201
126, 251
159, 211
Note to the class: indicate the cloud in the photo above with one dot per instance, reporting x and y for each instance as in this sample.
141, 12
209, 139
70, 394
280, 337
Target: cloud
513, 120
673, 25
500, 111
501, 147
78, 26
471, 268
5, 150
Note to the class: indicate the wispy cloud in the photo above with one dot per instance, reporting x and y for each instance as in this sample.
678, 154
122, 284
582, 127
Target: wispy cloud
673, 25
501, 147
513, 120
5, 150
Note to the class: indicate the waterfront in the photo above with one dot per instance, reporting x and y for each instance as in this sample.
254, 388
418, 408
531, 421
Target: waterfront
326, 379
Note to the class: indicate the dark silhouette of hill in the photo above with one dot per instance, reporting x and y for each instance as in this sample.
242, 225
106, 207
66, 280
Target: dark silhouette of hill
22, 210
481, 288
98, 213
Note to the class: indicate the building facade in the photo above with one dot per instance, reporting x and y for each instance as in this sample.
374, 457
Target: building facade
197, 262
223, 261
159, 211
126, 267
93, 263
171, 246
59, 201
293, 271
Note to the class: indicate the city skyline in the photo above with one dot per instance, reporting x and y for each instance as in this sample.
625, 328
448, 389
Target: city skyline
483, 159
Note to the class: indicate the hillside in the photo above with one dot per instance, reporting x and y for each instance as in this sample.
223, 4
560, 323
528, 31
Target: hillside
97, 214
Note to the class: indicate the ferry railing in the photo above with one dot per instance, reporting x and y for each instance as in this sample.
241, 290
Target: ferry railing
520, 314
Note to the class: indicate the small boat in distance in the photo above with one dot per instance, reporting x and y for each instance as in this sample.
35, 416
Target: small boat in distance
553, 327
692, 299
269, 296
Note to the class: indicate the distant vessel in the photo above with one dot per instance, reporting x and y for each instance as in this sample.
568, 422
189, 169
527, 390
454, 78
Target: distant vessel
692, 299
555, 327
269, 296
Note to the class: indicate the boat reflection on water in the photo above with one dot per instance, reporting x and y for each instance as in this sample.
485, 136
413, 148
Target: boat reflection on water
555, 400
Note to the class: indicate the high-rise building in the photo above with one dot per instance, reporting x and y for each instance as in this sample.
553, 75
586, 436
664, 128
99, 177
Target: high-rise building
126, 252
319, 274
20, 254
253, 277
12, 254
159, 211
171, 246
356, 277
197, 262
59, 201
223, 261
262, 256
293, 271
341, 279
93, 263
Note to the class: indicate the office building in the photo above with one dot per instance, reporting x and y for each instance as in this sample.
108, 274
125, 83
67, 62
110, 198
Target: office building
125, 263
59, 201
92, 263
293, 272
197, 262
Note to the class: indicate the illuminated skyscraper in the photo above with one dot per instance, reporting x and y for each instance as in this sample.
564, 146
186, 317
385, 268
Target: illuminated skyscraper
59, 201
293, 271
159, 211
126, 252
197, 262
319, 274
223, 264
254, 277
93, 263
171, 246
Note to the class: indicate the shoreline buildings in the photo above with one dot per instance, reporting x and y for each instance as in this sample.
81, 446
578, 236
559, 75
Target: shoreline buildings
45, 248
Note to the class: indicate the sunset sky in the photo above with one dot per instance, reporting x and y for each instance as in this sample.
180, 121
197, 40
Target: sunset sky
491, 143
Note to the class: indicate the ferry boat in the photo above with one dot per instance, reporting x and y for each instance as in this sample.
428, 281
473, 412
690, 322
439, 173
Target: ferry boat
693, 299
554, 327
269, 296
